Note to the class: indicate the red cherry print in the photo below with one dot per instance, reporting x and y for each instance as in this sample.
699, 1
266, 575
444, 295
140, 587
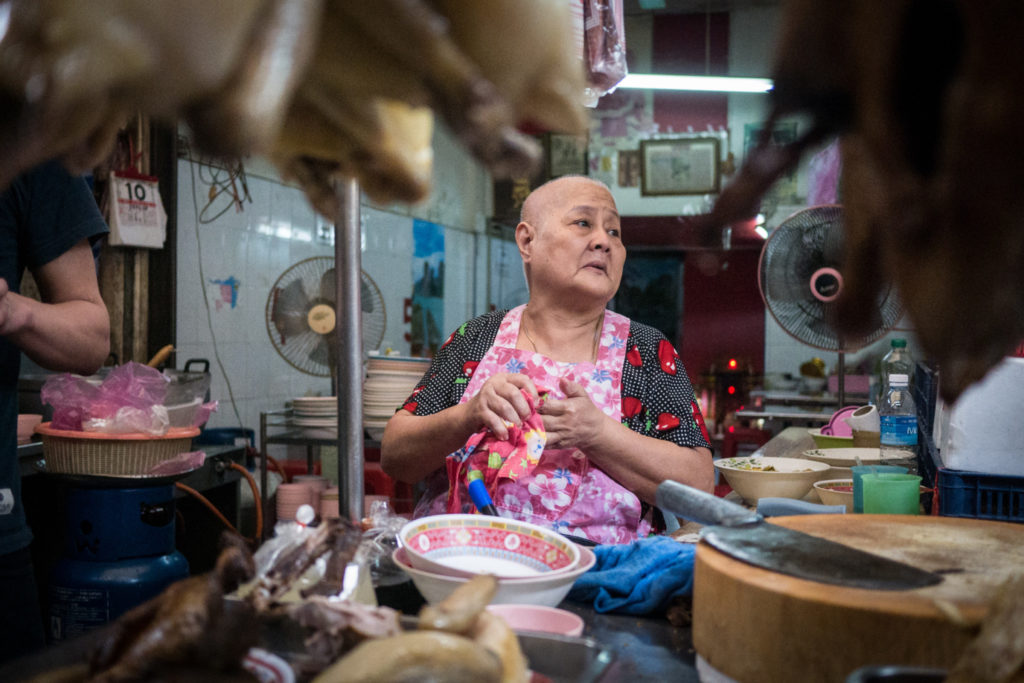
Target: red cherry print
631, 406
666, 421
469, 367
417, 390
667, 355
449, 340
634, 357
699, 419
410, 406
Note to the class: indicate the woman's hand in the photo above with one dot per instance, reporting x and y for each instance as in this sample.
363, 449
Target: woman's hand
574, 422
501, 400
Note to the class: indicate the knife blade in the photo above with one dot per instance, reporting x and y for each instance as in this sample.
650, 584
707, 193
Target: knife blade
745, 535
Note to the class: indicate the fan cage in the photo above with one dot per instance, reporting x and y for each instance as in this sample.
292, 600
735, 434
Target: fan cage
307, 351
803, 244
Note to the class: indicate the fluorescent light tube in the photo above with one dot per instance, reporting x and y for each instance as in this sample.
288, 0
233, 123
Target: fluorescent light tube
700, 83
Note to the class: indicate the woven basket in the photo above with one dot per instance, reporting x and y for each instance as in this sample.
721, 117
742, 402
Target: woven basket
69, 452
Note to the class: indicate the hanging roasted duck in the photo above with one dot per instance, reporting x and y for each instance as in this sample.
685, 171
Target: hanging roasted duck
324, 88
927, 98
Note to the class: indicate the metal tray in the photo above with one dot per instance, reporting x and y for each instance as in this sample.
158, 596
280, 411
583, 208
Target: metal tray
559, 659
565, 659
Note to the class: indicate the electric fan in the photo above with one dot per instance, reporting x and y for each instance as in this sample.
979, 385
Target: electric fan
301, 315
800, 278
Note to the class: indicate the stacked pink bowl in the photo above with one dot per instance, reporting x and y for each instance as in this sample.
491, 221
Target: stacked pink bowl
290, 497
316, 484
329, 503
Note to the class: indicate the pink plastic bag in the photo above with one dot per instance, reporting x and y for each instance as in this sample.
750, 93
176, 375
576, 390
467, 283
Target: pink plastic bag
130, 399
179, 464
204, 412
71, 398
132, 385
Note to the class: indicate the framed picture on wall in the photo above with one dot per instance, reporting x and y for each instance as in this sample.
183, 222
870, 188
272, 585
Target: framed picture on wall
675, 166
567, 155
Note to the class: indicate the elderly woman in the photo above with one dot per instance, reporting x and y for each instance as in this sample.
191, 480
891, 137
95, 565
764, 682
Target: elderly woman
572, 414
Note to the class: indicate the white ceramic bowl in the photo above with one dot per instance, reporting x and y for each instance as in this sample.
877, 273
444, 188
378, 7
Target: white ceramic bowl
844, 457
756, 478
539, 619
547, 590
835, 492
465, 545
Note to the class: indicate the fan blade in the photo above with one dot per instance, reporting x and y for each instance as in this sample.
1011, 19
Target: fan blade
321, 353
288, 311
293, 297
832, 243
289, 324
328, 285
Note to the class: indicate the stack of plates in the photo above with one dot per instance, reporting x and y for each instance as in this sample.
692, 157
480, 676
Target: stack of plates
389, 381
316, 415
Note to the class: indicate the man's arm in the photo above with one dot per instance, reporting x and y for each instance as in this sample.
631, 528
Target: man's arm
70, 329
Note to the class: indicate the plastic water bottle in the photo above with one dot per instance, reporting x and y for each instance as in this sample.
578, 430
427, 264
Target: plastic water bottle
898, 417
897, 362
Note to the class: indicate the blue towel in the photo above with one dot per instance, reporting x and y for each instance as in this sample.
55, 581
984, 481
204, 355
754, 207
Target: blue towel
637, 578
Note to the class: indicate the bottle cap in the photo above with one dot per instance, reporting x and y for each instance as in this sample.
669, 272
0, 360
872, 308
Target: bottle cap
899, 343
305, 515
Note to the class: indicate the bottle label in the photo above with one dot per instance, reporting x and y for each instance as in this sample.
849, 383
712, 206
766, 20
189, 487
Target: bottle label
897, 378
899, 430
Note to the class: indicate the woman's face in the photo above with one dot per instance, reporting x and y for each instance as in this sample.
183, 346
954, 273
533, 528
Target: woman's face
578, 242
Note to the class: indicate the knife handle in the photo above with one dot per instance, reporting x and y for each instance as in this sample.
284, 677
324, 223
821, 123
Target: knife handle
701, 507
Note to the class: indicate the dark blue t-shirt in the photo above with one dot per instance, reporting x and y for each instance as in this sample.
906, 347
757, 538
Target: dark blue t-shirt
43, 213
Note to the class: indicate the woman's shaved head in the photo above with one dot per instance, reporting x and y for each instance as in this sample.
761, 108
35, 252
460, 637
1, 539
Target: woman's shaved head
537, 206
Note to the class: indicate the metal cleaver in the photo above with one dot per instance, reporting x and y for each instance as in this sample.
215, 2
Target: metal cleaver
745, 535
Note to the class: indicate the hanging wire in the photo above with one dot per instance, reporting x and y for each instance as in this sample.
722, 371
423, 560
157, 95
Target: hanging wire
226, 183
202, 282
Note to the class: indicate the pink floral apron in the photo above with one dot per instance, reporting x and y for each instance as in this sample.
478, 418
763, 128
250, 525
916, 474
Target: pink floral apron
561, 489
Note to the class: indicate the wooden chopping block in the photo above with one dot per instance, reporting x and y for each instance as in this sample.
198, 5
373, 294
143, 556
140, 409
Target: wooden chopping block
758, 626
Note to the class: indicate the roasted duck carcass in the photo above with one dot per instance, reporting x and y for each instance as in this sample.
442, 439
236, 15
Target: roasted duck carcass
338, 539
183, 630
457, 640
324, 88
928, 99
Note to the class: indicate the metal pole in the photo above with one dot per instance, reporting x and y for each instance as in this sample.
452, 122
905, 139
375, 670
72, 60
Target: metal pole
348, 340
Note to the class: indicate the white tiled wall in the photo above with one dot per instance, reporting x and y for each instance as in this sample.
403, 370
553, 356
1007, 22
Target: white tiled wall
277, 230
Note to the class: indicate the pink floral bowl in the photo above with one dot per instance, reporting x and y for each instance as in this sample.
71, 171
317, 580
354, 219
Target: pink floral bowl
465, 545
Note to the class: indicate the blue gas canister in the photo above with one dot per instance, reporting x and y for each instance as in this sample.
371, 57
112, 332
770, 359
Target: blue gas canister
118, 553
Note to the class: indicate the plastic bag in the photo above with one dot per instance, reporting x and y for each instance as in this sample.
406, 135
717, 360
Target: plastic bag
129, 400
379, 542
71, 397
204, 412
130, 420
179, 464
604, 47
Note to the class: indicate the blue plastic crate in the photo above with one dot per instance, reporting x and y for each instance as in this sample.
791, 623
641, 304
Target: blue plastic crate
926, 389
980, 496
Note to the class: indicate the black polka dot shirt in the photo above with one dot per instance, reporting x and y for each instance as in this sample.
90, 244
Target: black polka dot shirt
657, 397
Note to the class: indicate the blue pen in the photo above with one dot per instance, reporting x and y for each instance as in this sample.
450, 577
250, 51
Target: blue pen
478, 492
